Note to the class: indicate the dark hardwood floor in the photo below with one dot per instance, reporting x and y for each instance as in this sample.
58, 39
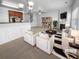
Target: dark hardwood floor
18, 49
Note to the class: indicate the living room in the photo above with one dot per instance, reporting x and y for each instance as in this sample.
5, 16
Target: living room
34, 29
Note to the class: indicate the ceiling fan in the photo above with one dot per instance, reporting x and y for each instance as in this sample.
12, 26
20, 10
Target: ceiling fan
39, 11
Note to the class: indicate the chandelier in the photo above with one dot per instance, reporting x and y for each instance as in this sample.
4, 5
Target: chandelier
30, 5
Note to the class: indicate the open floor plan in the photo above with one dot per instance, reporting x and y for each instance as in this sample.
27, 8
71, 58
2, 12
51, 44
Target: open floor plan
39, 29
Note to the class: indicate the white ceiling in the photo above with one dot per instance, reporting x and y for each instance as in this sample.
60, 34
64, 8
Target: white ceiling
47, 4
52, 4
16, 1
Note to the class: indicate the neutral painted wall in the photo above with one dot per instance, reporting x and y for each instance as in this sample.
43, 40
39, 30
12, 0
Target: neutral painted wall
75, 15
55, 15
39, 20
4, 14
4, 17
34, 22
66, 21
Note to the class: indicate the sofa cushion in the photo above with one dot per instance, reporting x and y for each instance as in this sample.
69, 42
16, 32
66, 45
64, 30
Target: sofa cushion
75, 33
43, 35
29, 32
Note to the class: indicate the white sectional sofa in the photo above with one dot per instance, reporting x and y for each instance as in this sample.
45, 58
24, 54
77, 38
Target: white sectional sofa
66, 39
44, 42
30, 37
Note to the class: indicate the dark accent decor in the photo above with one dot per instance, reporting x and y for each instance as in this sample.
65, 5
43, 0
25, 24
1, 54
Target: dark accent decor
58, 42
51, 32
62, 26
59, 34
76, 46
55, 24
72, 55
59, 51
63, 15
58, 37
13, 20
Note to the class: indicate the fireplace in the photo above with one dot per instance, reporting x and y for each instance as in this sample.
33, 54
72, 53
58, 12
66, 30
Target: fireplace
62, 26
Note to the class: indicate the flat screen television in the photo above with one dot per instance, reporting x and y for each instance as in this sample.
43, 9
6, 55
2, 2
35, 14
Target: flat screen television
63, 15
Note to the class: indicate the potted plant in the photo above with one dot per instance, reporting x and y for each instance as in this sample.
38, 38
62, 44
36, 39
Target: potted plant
55, 24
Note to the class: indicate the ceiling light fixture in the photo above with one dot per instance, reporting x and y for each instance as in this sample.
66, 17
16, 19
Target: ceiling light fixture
30, 5
9, 4
20, 5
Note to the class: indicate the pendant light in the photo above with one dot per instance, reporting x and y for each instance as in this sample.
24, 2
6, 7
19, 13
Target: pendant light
30, 4
20, 5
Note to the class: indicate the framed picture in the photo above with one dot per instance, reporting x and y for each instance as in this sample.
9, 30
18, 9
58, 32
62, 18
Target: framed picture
15, 17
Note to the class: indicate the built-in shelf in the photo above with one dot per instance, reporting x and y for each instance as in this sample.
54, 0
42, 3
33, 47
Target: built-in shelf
46, 21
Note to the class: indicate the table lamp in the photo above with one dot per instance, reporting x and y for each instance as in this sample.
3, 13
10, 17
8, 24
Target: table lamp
75, 34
